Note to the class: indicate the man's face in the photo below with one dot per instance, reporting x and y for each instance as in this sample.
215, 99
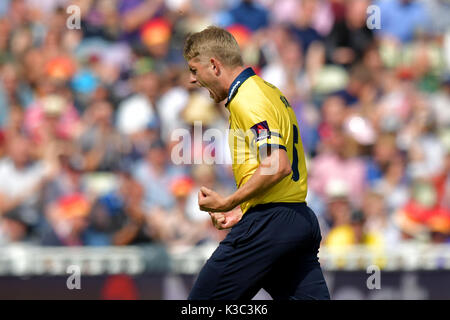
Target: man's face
205, 74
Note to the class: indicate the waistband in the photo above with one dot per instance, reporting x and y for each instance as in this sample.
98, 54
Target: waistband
270, 205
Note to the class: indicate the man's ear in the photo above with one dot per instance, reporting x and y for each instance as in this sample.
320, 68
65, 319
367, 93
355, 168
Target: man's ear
215, 65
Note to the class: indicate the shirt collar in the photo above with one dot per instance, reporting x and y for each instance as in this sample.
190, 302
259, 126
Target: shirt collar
244, 75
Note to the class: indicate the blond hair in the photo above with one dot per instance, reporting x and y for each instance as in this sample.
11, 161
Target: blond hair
213, 42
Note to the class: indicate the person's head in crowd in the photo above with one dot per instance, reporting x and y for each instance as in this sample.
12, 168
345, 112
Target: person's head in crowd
181, 188
19, 13
33, 61
9, 78
339, 208
372, 60
292, 55
373, 205
360, 76
19, 150
356, 13
307, 11
155, 35
384, 150
72, 165
341, 144
13, 227
147, 83
334, 111
395, 171
5, 29
278, 35
204, 175
129, 189
15, 120
21, 41
357, 222
70, 217
157, 155
101, 113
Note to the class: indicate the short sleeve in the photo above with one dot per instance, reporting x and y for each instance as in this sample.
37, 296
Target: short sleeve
263, 122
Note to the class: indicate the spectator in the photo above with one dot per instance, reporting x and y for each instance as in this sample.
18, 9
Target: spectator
175, 227
119, 218
22, 179
249, 14
402, 19
155, 173
337, 161
349, 39
102, 146
303, 27
67, 221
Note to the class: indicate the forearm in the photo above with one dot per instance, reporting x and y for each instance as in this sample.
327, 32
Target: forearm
259, 183
271, 171
125, 235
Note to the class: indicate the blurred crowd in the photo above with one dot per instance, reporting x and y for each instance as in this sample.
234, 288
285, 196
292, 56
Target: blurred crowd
87, 117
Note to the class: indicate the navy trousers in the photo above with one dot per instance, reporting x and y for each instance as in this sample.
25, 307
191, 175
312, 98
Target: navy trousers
274, 246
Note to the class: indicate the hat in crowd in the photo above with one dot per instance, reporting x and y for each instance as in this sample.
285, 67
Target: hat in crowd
202, 170
182, 186
53, 104
360, 129
415, 219
73, 206
241, 33
142, 66
440, 221
330, 79
134, 114
84, 81
405, 73
422, 213
337, 188
156, 31
60, 68
200, 108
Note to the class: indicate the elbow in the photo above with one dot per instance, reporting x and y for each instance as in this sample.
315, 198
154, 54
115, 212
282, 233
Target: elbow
287, 170
283, 173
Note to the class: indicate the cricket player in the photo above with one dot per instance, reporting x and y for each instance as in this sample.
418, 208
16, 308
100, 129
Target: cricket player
275, 237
